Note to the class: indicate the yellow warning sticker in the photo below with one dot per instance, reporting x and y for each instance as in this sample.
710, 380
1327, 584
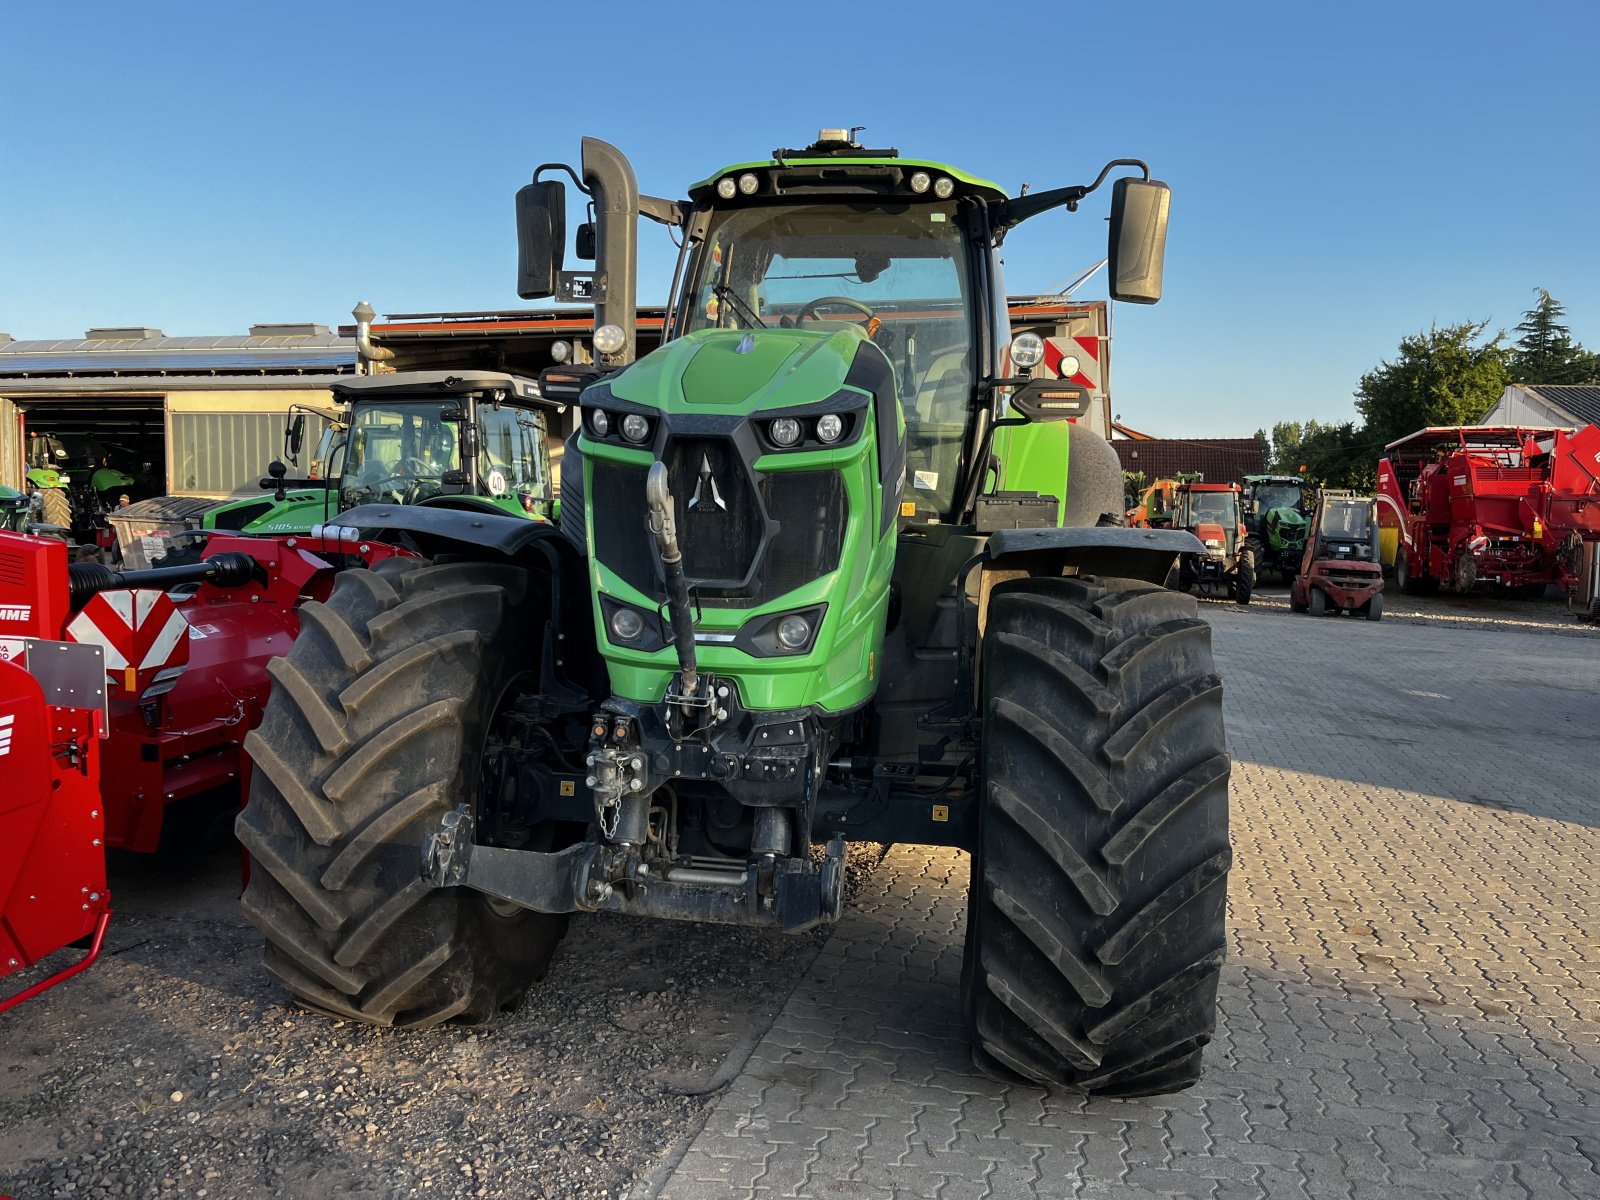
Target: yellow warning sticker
908, 508
568, 788
941, 812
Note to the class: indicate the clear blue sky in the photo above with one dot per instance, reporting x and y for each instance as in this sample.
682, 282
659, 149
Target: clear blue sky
1343, 174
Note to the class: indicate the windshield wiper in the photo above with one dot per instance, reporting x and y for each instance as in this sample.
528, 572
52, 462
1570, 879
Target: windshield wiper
752, 319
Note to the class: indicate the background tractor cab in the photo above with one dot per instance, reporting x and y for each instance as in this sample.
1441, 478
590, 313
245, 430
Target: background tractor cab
1225, 566
459, 439
1277, 511
1342, 569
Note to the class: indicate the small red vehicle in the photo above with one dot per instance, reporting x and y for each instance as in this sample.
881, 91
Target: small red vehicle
1341, 570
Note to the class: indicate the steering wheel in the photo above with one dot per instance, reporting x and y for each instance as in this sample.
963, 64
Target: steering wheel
411, 468
811, 306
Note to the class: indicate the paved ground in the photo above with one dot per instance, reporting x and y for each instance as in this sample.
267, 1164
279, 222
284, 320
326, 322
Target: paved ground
1412, 1000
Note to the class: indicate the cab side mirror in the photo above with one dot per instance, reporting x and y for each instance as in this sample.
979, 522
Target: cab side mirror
1137, 244
294, 437
541, 237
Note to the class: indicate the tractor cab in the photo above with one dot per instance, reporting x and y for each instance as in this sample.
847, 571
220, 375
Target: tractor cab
463, 440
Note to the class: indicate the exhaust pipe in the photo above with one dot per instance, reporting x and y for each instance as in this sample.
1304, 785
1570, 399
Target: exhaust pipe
610, 176
363, 313
665, 528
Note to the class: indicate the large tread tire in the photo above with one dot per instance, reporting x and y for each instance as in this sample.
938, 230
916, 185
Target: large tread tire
55, 508
1094, 479
373, 731
1097, 910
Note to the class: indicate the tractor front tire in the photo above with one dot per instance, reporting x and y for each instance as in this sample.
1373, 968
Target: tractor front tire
1096, 911
374, 730
1244, 582
55, 508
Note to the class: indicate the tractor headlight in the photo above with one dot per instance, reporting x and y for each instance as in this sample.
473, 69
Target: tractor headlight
63, 480
561, 351
785, 431
944, 187
794, 632
1027, 351
626, 625
726, 187
830, 427
635, 428
1069, 366
748, 184
599, 422
920, 182
608, 339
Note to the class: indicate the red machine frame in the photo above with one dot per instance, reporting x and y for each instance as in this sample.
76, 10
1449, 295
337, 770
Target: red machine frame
1491, 504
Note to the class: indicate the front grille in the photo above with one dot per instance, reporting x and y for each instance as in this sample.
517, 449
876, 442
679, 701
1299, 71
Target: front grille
622, 538
719, 520
810, 509
745, 543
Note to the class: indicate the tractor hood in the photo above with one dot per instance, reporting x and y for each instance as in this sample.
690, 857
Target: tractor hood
738, 371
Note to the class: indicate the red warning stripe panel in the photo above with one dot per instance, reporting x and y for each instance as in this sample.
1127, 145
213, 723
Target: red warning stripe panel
141, 629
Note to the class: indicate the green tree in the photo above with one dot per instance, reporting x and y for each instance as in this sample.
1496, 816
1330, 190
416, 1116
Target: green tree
1340, 456
1443, 376
1545, 351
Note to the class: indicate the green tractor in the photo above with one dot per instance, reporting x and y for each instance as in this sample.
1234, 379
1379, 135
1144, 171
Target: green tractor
462, 439
828, 567
1277, 514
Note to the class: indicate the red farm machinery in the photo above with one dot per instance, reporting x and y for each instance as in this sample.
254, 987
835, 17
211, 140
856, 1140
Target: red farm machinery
122, 695
1491, 507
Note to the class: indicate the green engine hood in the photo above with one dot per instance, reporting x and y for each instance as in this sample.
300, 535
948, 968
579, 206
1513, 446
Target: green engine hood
738, 371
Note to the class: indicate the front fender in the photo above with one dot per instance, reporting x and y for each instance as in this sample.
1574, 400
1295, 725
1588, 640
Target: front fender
1146, 554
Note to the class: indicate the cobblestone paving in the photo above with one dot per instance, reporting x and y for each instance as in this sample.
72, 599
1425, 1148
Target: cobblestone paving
1411, 1007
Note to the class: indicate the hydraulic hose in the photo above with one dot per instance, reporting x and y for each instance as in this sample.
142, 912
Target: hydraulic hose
665, 528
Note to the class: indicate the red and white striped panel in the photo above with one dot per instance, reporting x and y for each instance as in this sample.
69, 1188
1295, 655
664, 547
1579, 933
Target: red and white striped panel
141, 629
1087, 352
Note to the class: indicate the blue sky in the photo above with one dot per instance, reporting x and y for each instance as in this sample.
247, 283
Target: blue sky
1342, 175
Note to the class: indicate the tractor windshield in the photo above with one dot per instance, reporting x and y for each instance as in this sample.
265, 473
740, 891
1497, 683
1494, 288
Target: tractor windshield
898, 270
399, 452
1213, 506
509, 453
1278, 495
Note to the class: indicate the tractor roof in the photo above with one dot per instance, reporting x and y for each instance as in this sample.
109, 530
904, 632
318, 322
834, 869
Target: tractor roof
1274, 479
441, 382
819, 175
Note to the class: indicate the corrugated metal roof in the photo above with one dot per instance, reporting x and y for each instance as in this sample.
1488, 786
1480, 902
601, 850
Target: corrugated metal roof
176, 355
1581, 402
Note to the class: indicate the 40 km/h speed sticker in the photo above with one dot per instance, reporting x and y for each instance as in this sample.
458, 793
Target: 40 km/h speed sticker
497, 483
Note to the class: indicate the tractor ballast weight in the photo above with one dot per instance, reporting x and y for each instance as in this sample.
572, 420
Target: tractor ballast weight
1341, 570
803, 594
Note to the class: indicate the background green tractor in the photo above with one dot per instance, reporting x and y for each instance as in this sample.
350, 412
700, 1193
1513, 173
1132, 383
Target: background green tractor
467, 439
1277, 513
801, 593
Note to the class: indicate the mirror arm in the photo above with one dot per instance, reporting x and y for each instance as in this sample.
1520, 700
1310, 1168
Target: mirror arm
571, 174
1007, 213
663, 212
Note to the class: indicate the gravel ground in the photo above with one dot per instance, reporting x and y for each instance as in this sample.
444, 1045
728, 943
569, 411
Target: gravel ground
173, 1067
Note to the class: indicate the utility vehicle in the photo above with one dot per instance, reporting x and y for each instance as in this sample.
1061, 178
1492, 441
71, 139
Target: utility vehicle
1225, 564
827, 568
1341, 571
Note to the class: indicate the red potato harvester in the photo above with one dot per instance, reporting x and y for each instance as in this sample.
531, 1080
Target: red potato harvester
1491, 507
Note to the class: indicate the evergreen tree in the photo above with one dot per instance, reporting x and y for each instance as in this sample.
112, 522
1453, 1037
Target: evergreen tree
1545, 351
